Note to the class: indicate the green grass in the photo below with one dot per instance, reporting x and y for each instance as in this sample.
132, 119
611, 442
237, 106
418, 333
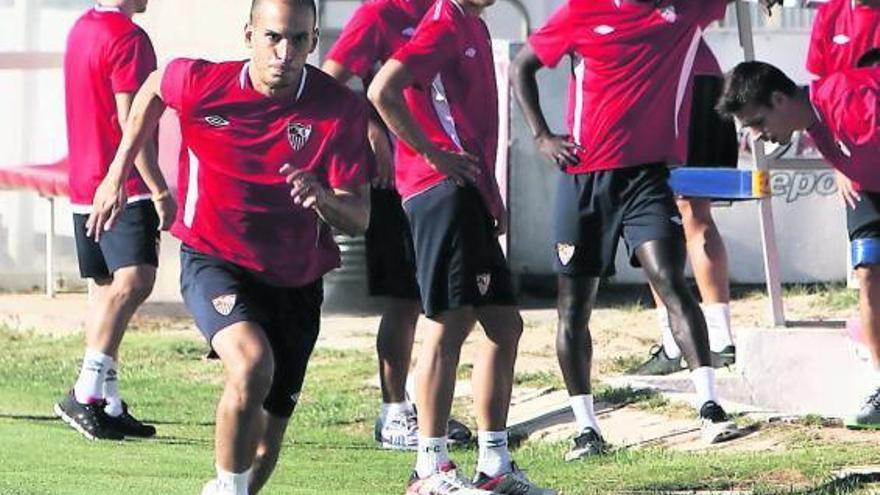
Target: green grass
328, 449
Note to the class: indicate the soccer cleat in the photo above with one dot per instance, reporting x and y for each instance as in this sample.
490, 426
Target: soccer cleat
400, 432
457, 433
868, 416
444, 482
716, 425
588, 443
659, 363
513, 483
725, 358
129, 425
88, 419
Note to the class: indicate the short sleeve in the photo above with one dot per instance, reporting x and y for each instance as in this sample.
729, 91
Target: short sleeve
175, 83
711, 11
817, 55
131, 59
554, 40
360, 45
431, 48
351, 162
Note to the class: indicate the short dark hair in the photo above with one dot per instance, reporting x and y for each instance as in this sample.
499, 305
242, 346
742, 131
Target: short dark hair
870, 58
309, 4
752, 83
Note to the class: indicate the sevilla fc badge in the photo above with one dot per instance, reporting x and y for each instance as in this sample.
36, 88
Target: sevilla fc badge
483, 281
224, 304
565, 252
298, 134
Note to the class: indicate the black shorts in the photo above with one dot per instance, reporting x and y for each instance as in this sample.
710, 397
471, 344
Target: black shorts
133, 240
391, 264
459, 261
219, 293
712, 141
863, 222
594, 209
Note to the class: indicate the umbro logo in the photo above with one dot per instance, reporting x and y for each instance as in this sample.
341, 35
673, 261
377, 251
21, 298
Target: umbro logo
603, 29
844, 149
840, 39
470, 52
676, 220
668, 13
216, 121
408, 32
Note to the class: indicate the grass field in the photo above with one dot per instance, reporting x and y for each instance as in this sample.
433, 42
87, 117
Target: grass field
329, 448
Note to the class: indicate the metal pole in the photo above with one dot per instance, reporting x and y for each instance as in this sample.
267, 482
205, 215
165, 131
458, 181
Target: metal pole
50, 250
765, 205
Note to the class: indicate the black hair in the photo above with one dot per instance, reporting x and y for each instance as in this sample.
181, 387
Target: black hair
309, 4
752, 83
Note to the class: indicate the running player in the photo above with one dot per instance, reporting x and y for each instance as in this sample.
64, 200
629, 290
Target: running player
438, 95
841, 112
633, 64
376, 30
107, 59
275, 154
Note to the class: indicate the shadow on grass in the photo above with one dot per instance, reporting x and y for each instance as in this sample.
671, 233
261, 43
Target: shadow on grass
30, 417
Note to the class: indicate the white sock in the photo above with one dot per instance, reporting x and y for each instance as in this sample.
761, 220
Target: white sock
584, 415
90, 384
494, 456
875, 379
718, 322
233, 483
704, 382
397, 408
432, 454
669, 345
111, 390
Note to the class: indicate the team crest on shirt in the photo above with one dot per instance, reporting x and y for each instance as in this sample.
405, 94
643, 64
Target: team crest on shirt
565, 252
471, 52
483, 281
668, 13
408, 32
224, 304
216, 121
298, 134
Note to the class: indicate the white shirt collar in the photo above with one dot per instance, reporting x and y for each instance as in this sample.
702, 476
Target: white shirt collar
243, 80
102, 8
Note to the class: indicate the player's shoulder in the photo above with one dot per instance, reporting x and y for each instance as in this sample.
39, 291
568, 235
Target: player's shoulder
333, 95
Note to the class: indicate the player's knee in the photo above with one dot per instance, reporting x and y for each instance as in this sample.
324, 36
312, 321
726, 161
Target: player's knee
869, 276
250, 375
133, 287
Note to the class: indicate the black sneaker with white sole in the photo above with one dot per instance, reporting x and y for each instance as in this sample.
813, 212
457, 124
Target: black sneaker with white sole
130, 426
588, 443
88, 419
716, 425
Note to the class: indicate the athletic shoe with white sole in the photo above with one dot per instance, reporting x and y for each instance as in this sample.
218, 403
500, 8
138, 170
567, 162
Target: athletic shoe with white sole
400, 432
444, 482
659, 363
726, 357
868, 416
457, 434
588, 443
513, 483
88, 419
128, 425
716, 425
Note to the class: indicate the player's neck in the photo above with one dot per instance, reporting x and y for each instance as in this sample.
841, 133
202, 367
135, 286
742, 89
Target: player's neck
807, 115
469, 8
280, 93
123, 6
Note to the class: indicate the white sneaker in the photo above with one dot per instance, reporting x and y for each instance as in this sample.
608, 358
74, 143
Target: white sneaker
444, 482
400, 432
716, 424
214, 487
